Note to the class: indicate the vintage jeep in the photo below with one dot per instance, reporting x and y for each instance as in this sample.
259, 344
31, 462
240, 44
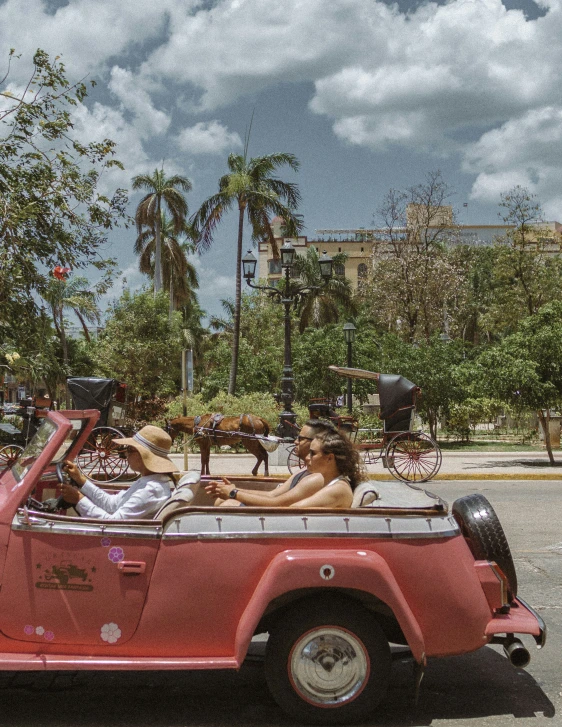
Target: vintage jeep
191, 588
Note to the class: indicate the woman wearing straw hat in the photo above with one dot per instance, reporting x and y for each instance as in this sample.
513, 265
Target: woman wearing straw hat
147, 453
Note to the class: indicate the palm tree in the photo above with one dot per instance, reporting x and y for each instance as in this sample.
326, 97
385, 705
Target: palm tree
259, 196
71, 294
161, 190
223, 325
323, 304
178, 273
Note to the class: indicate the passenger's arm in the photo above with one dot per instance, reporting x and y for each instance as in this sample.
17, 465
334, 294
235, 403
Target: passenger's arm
338, 495
305, 488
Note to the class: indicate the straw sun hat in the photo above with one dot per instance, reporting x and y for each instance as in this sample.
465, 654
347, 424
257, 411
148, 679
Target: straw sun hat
153, 445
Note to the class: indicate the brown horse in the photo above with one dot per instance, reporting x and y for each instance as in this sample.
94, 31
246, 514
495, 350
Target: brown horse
210, 429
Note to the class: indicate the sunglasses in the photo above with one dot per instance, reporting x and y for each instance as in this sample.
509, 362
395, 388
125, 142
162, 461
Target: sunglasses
304, 439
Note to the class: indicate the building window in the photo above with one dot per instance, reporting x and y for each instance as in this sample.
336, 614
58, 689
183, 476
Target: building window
339, 269
274, 266
362, 270
339, 249
362, 249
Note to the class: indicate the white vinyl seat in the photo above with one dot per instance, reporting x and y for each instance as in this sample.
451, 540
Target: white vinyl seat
187, 486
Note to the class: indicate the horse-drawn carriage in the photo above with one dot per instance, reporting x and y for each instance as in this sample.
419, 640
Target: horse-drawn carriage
100, 458
408, 454
13, 440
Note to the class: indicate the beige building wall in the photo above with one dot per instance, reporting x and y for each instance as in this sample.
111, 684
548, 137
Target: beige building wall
358, 244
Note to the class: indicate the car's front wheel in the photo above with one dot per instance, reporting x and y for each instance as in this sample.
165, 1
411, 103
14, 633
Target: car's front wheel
328, 662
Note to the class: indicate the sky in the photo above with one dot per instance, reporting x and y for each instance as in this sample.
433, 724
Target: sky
368, 95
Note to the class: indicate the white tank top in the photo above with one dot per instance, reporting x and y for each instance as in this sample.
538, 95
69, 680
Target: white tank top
337, 479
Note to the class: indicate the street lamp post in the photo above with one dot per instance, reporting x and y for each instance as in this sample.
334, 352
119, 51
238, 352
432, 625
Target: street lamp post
349, 335
288, 296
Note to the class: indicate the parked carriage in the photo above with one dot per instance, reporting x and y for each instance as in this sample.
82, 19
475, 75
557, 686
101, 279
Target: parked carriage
13, 440
101, 459
409, 455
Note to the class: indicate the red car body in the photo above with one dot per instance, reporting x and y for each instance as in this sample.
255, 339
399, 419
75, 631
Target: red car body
191, 590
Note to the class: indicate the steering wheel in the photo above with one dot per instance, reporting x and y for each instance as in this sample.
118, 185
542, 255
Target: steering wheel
63, 478
53, 504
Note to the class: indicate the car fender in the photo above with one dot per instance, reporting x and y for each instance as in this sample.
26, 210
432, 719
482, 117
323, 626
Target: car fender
359, 570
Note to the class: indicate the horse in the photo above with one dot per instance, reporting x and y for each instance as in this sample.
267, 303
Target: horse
210, 429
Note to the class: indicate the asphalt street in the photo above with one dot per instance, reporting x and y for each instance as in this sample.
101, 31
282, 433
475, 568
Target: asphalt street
476, 689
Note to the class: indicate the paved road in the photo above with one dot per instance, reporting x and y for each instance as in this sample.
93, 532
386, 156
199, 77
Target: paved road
455, 465
475, 690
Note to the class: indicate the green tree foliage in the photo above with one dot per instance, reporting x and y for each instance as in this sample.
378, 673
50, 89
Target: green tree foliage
526, 275
475, 293
325, 302
525, 368
415, 281
51, 211
251, 186
140, 346
75, 294
162, 192
178, 272
433, 366
261, 348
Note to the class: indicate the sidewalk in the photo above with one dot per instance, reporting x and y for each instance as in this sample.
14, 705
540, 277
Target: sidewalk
455, 466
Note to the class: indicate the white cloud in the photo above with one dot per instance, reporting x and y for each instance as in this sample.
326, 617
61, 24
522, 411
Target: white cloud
209, 137
525, 151
428, 80
148, 119
103, 122
87, 33
129, 278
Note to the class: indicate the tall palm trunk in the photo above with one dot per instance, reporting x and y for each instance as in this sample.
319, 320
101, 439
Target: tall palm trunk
172, 304
158, 252
544, 419
237, 303
83, 324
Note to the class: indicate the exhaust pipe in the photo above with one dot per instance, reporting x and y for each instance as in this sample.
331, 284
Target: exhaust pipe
517, 654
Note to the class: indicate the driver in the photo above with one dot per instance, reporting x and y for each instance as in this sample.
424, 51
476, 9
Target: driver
147, 453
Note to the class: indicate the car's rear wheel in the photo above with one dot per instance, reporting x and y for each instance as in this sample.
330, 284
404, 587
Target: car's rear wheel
485, 536
328, 662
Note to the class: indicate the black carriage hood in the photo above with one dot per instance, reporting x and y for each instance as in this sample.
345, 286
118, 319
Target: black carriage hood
395, 392
91, 393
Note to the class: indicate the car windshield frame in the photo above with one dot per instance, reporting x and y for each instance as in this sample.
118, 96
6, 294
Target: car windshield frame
40, 440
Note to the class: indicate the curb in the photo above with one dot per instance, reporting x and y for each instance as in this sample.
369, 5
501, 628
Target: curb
477, 476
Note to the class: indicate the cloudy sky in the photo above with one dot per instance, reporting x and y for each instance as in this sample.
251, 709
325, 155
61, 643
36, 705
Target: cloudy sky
368, 95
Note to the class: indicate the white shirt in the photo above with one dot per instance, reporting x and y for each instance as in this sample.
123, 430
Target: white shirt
142, 500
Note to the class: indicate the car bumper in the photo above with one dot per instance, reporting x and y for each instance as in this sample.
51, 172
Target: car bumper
521, 619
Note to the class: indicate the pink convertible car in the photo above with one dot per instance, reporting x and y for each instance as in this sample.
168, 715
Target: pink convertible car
192, 587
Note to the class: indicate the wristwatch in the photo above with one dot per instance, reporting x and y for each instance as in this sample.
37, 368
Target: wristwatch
232, 494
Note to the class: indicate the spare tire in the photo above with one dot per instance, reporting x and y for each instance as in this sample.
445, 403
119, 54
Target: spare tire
484, 535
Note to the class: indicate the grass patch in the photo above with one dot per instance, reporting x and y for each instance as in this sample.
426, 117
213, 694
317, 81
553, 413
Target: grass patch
476, 445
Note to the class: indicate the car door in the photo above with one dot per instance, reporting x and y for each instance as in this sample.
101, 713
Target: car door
76, 580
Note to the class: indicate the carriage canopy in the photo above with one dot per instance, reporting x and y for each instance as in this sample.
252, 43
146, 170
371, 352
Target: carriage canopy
93, 393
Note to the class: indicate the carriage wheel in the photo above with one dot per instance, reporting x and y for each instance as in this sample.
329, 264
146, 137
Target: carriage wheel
294, 462
413, 457
99, 459
9, 454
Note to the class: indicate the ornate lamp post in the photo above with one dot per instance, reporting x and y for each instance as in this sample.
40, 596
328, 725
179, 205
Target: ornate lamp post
288, 296
349, 335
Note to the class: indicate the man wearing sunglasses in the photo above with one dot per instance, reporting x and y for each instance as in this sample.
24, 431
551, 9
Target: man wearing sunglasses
300, 485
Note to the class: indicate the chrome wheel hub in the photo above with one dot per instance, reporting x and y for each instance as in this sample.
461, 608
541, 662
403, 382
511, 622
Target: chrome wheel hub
329, 666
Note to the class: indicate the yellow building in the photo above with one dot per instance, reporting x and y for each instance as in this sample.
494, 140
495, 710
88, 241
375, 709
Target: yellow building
358, 243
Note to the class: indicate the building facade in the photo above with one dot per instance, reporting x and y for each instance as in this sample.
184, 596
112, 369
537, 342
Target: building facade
358, 244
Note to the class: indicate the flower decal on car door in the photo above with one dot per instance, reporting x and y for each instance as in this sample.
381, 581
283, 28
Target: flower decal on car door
110, 633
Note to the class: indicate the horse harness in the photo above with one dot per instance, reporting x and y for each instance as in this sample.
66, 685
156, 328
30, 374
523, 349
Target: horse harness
213, 423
